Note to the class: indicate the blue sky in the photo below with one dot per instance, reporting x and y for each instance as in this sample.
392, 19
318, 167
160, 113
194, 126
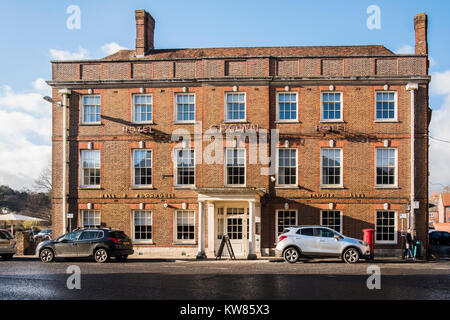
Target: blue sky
31, 29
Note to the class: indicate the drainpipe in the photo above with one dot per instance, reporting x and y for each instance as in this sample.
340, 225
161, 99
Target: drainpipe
64, 93
412, 88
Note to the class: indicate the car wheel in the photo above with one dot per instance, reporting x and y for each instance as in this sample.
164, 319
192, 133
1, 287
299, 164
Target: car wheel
291, 255
47, 255
101, 255
122, 258
351, 255
7, 257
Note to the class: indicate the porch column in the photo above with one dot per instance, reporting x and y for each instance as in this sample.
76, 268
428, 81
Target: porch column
251, 231
201, 232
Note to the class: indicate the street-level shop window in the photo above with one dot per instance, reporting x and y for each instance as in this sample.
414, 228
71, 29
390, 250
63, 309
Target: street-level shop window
90, 218
90, 168
285, 219
142, 225
90, 109
185, 228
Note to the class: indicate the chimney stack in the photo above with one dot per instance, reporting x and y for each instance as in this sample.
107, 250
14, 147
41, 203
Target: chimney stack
145, 30
421, 28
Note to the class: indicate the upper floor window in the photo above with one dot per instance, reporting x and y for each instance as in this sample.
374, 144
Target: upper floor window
287, 167
142, 167
142, 108
331, 166
386, 167
235, 166
235, 107
185, 167
386, 106
90, 168
331, 106
287, 107
185, 107
90, 109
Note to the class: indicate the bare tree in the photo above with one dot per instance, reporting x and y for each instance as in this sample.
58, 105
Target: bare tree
44, 182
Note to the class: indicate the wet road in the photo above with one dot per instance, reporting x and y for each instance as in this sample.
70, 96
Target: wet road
25, 278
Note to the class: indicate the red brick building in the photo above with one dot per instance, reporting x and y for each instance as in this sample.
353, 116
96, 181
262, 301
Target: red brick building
344, 157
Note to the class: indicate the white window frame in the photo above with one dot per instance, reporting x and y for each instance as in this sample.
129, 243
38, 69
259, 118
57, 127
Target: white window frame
84, 211
341, 219
276, 220
341, 119
278, 107
395, 241
386, 186
226, 108
175, 111
226, 168
93, 186
278, 167
133, 174
175, 228
82, 110
133, 108
395, 119
338, 186
175, 168
133, 227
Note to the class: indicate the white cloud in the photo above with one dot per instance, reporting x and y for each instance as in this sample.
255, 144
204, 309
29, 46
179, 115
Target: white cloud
405, 49
25, 134
440, 129
111, 48
67, 55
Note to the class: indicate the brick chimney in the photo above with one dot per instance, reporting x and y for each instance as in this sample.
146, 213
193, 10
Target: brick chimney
421, 26
145, 30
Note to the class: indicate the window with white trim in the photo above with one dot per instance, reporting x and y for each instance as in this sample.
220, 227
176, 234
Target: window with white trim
185, 167
185, 225
235, 107
287, 106
90, 109
386, 227
332, 219
331, 106
235, 166
90, 168
386, 105
185, 107
331, 167
90, 218
142, 225
287, 167
285, 219
386, 167
142, 167
142, 108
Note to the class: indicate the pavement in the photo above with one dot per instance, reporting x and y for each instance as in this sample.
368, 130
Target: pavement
268, 279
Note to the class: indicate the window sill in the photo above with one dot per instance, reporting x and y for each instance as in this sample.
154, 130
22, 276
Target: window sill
332, 187
235, 121
142, 188
235, 186
90, 188
386, 187
142, 123
288, 187
91, 124
190, 243
287, 121
190, 187
181, 123
386, 121
332, 121
388, 243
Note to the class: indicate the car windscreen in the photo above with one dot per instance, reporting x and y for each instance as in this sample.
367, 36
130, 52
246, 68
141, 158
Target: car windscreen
5, 235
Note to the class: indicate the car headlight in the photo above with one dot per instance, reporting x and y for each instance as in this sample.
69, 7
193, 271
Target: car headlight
363, 243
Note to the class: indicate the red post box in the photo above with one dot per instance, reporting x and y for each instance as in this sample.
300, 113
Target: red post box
369, 237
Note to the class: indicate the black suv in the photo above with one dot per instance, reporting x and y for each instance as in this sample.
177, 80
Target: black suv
100, 243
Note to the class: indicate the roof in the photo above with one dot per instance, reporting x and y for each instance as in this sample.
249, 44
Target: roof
233, 52
445, 199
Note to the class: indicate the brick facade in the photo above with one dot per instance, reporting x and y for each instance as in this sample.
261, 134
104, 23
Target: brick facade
261, 73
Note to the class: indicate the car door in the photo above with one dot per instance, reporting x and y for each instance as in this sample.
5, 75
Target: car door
67, 246
327, 243
306, 240
5, 242
85, 244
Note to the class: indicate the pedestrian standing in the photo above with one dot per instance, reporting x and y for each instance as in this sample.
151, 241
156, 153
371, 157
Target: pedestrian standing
408, 245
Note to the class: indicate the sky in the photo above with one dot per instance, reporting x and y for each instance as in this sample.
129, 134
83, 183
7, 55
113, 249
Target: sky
32, 33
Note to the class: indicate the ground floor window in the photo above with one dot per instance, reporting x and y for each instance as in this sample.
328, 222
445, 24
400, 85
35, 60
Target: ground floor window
386, 227
285, 219
142, 225
185, 225
90, 218
332, 219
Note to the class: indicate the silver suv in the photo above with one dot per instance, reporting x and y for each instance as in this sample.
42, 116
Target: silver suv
7, 245
318, 241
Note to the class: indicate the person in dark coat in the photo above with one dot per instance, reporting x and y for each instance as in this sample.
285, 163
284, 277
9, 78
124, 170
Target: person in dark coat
408, 245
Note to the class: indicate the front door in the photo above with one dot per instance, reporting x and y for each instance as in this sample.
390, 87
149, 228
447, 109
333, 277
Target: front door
234, 223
